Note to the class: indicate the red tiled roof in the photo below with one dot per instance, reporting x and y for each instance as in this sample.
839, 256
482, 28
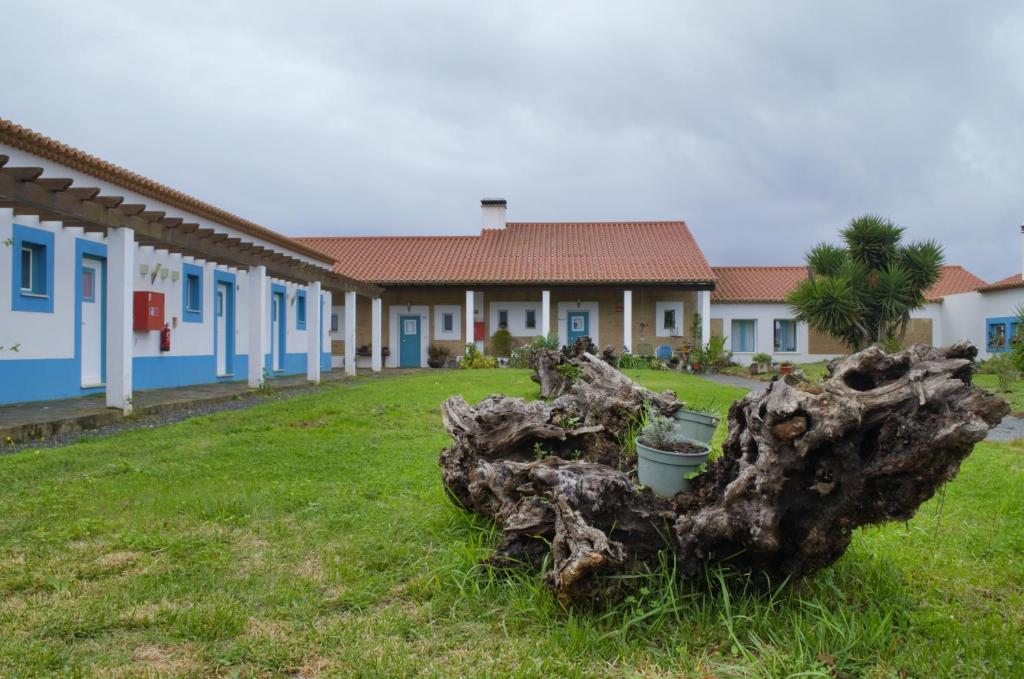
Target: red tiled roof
755, 284
765, 284
526, 252
1010, 282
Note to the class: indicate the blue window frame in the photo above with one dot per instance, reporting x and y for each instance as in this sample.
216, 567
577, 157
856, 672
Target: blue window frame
785, 335
744, 335
1001, 333
32, 270
192, 293
300, 309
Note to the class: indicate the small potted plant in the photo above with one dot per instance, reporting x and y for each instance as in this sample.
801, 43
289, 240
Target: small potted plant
786, 367
665, 458
437, 355
763, 362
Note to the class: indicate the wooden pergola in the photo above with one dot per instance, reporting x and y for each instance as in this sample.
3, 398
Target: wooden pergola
58, 199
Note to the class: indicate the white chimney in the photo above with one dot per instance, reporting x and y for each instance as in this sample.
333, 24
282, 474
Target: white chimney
493, 212
1022, 251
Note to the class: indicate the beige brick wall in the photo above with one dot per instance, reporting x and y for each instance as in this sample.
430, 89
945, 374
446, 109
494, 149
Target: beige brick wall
919, 331
610, 312
820, 343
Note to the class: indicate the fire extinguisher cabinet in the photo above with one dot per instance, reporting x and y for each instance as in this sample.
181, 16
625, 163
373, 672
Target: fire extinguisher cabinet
149, 311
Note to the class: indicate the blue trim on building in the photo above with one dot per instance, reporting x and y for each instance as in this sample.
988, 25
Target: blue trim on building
280, 343
300, 309
230, 361
39, 301
90, 248
191, 315
1000, 332
160, 372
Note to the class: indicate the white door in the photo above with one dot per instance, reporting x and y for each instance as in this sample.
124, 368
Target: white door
222, 330
91, 301
275, 330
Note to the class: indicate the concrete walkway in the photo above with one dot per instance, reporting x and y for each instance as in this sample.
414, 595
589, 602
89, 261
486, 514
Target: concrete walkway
42, 420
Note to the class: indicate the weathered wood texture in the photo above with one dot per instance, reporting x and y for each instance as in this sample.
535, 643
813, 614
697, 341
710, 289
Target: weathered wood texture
802, 467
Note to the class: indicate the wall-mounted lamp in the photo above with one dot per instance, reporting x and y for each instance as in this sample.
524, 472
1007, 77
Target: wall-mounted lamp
143, 269
164, 273
174, 275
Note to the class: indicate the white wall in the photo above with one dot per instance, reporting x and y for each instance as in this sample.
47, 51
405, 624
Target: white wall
765, 316
964, 316
516, 317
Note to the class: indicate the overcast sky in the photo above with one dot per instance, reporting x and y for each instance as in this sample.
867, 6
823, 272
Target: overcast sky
766, 126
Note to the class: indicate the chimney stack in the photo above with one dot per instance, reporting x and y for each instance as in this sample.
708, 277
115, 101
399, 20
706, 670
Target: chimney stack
493, 212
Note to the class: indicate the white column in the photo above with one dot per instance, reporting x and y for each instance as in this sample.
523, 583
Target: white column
469, 317
313, 334
627, 321
376, 362
350, 333
545, 312
258, 303
120, 293
704, 297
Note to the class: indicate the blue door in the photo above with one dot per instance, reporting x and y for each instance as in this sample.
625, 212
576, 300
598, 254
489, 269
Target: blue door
409, 332
579, 325
278, 330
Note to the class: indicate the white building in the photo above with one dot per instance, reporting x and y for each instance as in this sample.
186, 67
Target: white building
100, 266
748, 307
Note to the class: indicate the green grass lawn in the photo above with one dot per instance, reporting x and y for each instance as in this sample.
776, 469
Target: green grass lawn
311, 536
1015, 396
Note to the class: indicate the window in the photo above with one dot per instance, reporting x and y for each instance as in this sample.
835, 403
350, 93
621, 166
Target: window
32, 269
192, 293
785, 335
448, 322
300, 309
668, 319
744, 336
531, 319
503, 319
1001, 333
88, 284
334, 322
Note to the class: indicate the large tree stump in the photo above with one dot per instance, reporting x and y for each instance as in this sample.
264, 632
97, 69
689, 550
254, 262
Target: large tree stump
802, 467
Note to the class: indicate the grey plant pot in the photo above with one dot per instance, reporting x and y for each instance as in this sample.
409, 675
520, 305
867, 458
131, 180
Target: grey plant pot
695, 426
665, 472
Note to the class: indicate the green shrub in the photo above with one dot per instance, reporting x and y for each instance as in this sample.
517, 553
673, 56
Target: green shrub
715, 353
569, 371
1004, 368
762, 357
549, 341
632, 361
474, 359
501, 343
520, 357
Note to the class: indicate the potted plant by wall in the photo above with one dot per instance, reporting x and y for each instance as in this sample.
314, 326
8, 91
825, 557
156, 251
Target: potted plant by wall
437, 355
763, 362
696, 357
665, 458
786, 367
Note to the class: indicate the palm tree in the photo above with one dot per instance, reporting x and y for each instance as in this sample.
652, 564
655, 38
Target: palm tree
862, 293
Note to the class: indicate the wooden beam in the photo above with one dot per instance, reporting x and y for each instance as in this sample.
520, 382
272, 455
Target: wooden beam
55, 184
83, 193
171, 222
23, 174
4, 159
131, 209
152, 215
109, 201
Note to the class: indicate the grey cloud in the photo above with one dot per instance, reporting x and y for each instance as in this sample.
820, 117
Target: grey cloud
765, 126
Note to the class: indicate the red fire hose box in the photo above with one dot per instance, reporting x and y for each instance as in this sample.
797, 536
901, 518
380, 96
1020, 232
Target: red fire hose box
148, 311
478, 331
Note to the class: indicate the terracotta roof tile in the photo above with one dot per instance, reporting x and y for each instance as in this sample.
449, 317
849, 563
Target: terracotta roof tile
527, 252
1008, 283
40, 145
767, 284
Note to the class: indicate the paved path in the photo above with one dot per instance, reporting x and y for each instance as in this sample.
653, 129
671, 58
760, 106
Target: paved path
1011, 428
736, 381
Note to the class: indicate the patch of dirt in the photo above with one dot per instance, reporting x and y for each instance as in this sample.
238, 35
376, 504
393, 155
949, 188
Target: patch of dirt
117, 560
162, 660
680, 447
